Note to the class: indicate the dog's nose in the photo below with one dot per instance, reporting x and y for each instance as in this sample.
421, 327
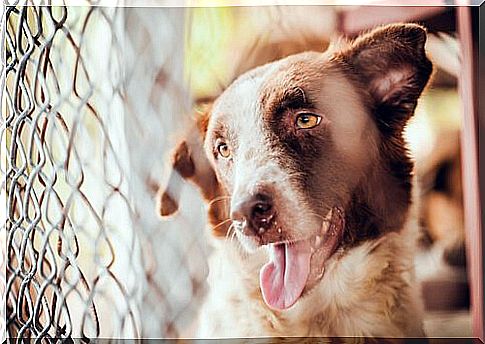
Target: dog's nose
257, 210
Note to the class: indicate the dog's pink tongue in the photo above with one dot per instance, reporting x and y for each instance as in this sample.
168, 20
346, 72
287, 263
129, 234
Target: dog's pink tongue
284, 277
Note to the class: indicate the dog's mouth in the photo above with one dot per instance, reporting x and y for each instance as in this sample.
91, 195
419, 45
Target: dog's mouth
295, 267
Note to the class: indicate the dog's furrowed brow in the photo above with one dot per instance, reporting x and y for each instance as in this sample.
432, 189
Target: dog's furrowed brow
291, 98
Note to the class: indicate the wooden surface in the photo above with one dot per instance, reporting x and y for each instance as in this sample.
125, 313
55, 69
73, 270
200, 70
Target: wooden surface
354, 20
470, 172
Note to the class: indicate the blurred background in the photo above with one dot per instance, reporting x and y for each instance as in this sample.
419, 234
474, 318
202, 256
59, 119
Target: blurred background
94, 101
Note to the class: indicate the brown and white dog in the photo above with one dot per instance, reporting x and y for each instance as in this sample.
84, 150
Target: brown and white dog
310, 192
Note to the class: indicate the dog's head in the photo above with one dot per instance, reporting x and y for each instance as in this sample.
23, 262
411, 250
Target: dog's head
305, 155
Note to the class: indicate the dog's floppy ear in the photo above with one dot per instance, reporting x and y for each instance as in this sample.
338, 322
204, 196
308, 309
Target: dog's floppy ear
391, 62
189, 162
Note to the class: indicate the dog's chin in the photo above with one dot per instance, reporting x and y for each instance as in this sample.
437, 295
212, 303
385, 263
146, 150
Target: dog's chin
295, 267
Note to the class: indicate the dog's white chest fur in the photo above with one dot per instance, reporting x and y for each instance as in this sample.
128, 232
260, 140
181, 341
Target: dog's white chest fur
370, 291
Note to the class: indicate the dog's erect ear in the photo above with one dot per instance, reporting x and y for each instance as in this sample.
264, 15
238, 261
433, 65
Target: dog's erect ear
391, 61
189, 162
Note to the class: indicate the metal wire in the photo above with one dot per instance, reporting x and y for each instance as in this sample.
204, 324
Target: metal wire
78, 262
43, 250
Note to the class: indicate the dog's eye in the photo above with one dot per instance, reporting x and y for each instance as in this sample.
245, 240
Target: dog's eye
307, 120
223, 149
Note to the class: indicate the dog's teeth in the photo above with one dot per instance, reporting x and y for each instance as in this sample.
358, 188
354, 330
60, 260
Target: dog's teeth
318, 241
320, 274
279, 230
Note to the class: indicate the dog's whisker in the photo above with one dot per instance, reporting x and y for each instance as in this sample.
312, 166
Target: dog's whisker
231, 238
228, 233
233, 235
217, 199
238, 244
221, 224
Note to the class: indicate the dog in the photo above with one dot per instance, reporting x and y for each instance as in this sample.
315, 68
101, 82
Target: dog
310, 192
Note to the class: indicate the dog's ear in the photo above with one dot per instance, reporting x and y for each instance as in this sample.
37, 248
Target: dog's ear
391, 62
189, 162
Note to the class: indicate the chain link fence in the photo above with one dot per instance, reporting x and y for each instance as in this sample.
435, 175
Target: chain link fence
89, 99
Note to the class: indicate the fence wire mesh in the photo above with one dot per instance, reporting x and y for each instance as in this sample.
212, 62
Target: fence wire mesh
83, 142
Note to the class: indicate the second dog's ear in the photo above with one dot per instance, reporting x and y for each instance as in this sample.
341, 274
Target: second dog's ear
190, 163
391, 62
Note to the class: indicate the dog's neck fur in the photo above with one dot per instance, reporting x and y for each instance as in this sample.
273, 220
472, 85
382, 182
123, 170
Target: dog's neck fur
379, 205
366, 290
